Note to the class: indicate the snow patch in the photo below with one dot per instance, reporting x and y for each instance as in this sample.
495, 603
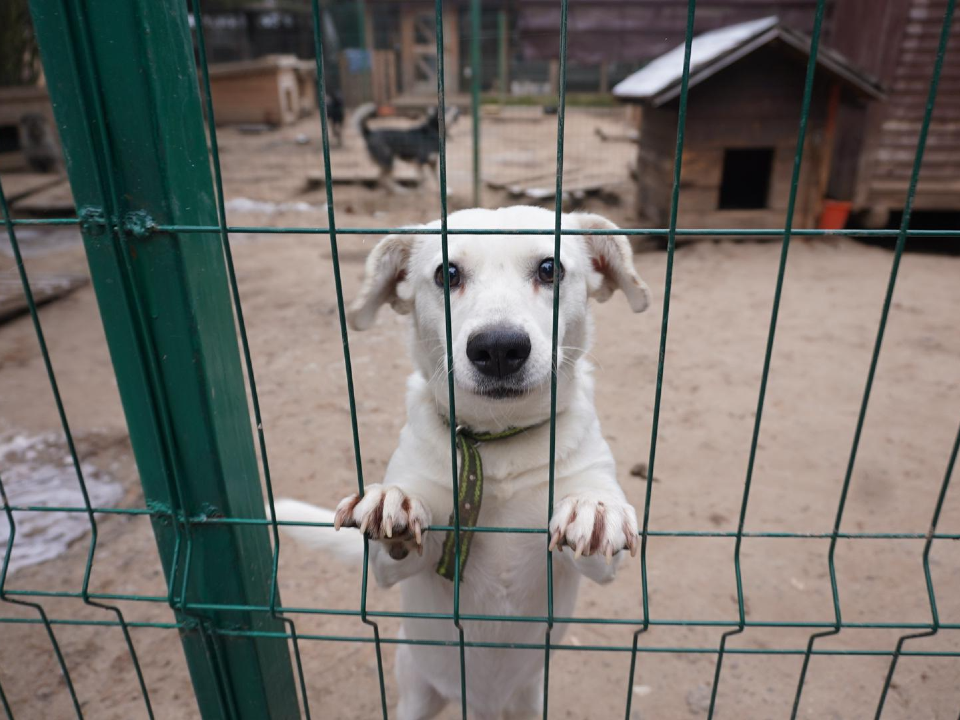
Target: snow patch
38, 471
246, 205
667, 69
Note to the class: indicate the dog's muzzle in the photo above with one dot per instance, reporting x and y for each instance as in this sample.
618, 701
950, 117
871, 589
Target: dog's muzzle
498, 352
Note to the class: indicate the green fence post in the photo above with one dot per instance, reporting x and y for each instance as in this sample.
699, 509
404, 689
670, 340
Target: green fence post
502, 61
123, 82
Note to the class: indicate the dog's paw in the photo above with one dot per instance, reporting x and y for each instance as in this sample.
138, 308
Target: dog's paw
384, 513
594, 524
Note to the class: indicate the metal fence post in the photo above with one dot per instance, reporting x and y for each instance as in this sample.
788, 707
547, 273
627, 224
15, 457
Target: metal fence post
123, 82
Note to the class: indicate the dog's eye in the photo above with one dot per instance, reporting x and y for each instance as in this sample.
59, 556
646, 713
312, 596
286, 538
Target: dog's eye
453, 274
546, 271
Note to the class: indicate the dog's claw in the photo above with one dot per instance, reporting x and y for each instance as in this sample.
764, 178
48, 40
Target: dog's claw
554, 541
343, 515
613, 527
385, 514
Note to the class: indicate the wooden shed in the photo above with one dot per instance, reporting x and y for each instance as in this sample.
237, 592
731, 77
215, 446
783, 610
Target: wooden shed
896, 41
272, 90
743, 113
407, 29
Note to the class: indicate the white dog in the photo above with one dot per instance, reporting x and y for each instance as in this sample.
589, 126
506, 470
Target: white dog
501, 304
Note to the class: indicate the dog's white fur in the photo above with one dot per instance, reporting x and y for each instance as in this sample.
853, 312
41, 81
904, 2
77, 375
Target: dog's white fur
506, 573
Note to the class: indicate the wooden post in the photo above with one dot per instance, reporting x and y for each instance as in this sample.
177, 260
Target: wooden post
827, 146
554, 77
503, 56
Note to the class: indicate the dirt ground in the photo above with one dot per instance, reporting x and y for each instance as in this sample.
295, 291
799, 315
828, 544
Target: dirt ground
718, 325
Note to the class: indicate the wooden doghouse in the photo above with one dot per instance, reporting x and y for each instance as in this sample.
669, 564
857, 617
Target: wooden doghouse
15, 104
272, 90
743, 114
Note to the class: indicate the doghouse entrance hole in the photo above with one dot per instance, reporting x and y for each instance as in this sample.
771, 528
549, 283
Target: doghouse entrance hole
745, 183
9, 138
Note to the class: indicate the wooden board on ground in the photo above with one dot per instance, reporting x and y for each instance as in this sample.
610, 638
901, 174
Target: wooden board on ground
45, 288
17, 186
515, 114
55, 200
576, 186
523, 176
419, 103
631, 136
13, 161
364, 175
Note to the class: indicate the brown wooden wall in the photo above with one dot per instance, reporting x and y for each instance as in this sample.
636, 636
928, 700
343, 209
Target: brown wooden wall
755, 103
897, 40
640, 30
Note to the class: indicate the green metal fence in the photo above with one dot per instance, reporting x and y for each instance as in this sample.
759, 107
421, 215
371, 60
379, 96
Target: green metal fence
118, 72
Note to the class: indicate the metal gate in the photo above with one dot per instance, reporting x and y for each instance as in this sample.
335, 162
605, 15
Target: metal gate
122, 78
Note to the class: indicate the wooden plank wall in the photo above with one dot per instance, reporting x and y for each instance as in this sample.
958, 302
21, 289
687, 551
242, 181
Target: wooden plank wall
897, 40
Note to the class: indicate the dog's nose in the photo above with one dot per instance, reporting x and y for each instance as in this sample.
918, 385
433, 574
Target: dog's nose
499, 352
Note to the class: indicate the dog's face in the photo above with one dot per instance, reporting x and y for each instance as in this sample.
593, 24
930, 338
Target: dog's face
501, 305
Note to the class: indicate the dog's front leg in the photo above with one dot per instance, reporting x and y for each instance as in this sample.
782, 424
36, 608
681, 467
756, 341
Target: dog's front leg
396, 520
594, 519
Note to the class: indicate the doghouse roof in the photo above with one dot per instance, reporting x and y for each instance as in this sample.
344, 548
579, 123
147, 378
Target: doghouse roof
658, 82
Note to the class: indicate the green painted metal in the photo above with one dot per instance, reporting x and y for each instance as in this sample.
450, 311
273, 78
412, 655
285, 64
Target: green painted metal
344, 335
43, 618
75, 459
554, 339
361, 8
503, 68
653, 650
5, 704
664, 326
946, 234
928, 578
163, 268
207, 520
878, 343
245, 344
476, 75
115, 73
771, 334
364, 43
448, 335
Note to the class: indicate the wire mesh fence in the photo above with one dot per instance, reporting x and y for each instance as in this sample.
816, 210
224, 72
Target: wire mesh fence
224, 684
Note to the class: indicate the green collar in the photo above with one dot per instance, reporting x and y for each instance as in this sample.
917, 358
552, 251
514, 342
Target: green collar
469, 496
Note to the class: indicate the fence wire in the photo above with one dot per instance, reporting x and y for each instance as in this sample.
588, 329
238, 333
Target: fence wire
177, 597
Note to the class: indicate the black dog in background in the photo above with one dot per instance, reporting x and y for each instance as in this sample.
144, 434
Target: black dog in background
39, 143
335, 116
419, 144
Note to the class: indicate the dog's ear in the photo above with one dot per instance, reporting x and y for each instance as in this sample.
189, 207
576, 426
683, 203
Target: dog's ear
612, 263
385, 273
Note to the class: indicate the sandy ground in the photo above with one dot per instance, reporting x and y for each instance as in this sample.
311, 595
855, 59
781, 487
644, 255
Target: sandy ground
718, 324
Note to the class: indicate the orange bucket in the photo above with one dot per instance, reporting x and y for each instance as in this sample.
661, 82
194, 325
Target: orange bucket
835, 214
